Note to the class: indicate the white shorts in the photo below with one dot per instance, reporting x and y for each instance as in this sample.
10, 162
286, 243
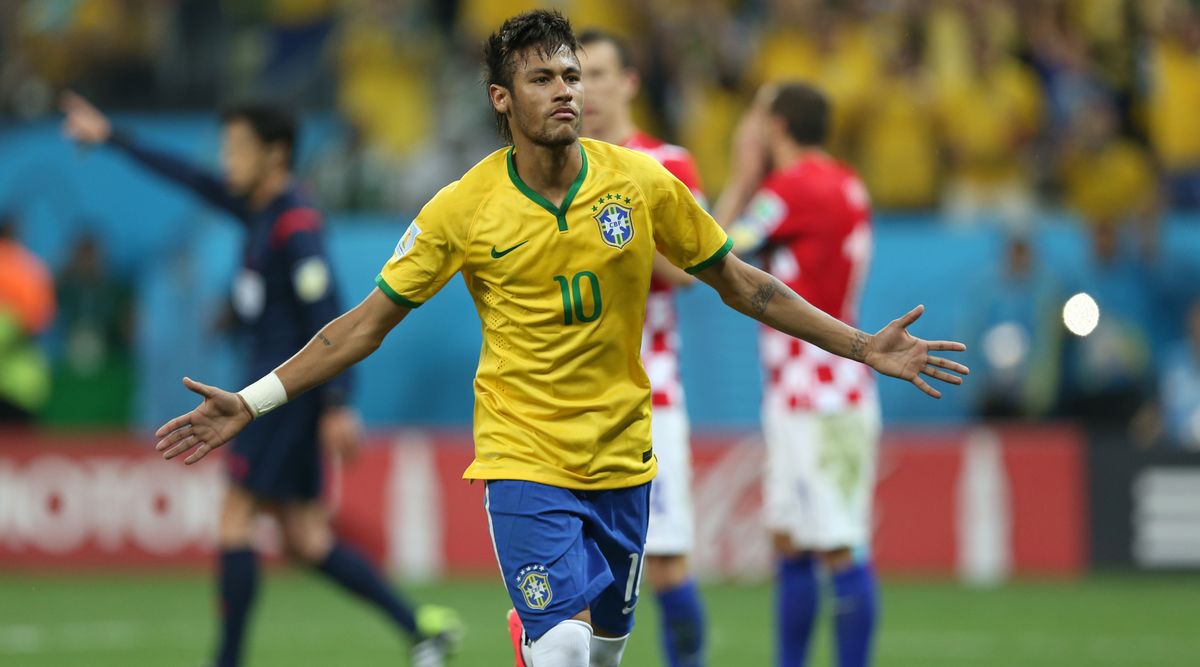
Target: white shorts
820, 475
672, 528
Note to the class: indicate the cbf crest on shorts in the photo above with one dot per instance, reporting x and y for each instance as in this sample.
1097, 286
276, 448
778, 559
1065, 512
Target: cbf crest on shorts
615, 218
534, 584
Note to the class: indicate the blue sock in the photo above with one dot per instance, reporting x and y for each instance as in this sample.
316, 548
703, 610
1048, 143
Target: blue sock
351, 571
797, 599
682, 617
237, 582
857, 611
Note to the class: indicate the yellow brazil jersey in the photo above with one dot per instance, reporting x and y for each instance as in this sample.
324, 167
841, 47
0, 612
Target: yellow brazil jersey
560, 394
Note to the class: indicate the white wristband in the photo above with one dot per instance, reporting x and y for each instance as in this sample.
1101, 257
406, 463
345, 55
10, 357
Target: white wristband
265, 395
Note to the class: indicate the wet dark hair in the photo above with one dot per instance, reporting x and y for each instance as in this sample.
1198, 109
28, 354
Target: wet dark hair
600, 35
271, 124
805, 112
542, 29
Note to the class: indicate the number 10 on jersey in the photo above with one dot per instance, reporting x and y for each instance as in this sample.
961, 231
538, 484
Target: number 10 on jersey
572, 297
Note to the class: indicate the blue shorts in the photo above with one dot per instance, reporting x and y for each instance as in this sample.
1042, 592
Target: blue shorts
562, 551
277, 456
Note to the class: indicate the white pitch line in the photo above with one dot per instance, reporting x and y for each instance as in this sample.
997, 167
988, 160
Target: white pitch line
75, 636
21, 638
968, 645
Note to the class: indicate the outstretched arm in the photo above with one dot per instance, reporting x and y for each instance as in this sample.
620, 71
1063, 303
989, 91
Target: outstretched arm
338, 346
339, 428
86, 124
892, 351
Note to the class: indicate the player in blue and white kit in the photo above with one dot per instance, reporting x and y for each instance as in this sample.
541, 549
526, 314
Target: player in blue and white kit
283, 294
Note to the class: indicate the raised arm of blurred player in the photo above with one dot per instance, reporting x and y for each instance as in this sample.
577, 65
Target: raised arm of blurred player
748, 165
86, 124
339, 345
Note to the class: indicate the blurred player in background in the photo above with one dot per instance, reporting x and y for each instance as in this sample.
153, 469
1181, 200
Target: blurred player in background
808, 217
284, 293
612, 83
555, 237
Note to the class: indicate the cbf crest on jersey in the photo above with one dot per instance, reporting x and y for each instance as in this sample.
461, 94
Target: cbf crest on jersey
534, 584
615, 218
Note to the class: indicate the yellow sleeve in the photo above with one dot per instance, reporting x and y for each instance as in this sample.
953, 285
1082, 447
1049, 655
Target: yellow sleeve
429, 253
683, 231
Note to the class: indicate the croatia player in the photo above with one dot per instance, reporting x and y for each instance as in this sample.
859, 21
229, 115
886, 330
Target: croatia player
555, 237
284, 293
809, 219
612, 83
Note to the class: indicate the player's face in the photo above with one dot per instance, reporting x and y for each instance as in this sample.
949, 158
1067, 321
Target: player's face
547, 94
243, 157
610, 86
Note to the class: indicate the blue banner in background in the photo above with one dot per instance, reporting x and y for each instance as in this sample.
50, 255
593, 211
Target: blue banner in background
181, 257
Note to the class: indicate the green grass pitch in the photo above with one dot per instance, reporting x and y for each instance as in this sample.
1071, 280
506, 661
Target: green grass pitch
167, 621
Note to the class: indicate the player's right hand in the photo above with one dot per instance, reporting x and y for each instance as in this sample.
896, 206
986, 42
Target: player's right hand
219, 417
83, 122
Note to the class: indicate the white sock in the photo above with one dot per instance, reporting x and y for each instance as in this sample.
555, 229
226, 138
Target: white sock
526, 650
607, 652
565, 645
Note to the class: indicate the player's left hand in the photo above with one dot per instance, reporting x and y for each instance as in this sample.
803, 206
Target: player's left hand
219, 417
340, 432
895, 352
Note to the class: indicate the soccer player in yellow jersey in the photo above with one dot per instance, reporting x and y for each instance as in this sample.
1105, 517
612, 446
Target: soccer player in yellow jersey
612, 83
555, 237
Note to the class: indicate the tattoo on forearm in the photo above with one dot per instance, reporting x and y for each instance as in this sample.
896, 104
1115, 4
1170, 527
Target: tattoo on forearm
323, 339
858, 346
762, 296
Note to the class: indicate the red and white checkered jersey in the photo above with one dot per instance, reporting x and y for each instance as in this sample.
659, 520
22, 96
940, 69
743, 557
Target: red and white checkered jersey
812, 222
660, 336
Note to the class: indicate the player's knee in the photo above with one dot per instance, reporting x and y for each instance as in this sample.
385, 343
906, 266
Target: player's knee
567, 644
236, 526
785, 546
667, 572
837, 560
308, 544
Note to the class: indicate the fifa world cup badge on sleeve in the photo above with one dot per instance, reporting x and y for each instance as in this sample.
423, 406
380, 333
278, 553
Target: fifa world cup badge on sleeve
408, 240
615, 217
534, 584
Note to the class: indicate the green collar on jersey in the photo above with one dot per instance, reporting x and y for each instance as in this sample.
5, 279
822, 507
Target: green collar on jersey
560, 212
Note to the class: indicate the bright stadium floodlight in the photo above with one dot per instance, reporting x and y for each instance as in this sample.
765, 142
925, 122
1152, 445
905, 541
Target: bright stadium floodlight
1081, 314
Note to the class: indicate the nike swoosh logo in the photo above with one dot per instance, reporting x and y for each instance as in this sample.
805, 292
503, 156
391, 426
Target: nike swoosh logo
497, 254
628, 610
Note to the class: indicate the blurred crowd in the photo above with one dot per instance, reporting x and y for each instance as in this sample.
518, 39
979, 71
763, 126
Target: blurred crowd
983, 108
989, 112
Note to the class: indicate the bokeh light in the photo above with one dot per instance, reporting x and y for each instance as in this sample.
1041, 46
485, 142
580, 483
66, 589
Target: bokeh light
1081, 314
